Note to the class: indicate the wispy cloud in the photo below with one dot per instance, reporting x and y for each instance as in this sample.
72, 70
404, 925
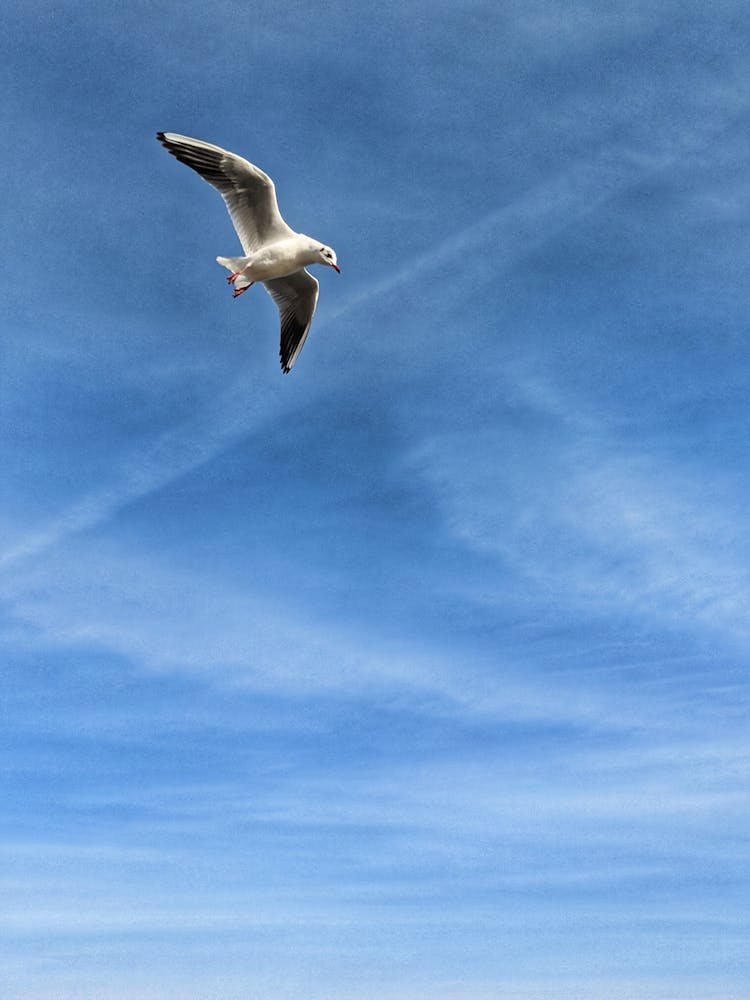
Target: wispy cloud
163, 619
515, 230
593, 519
421, 673
172, 454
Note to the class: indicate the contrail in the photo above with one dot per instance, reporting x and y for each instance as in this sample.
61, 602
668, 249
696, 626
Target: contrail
526, 223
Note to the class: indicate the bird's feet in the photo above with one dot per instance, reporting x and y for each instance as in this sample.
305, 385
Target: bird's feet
239, 291
233, 277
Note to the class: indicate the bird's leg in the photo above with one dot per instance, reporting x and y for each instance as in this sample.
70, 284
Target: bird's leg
233, 277
239, 291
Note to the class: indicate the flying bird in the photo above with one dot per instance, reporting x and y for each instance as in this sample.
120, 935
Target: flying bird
275, 255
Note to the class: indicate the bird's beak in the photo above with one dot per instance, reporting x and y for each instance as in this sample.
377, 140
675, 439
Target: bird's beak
336, 268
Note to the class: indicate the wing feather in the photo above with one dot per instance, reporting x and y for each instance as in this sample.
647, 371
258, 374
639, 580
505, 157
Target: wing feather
296, 296
249, 194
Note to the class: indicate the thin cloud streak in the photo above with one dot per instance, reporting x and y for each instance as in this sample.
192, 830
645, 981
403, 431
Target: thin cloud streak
526, 224
174, 453
616, 532
163, 620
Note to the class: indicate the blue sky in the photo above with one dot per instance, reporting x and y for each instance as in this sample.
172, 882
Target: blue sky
421, 672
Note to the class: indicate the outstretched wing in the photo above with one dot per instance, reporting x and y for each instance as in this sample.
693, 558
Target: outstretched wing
296, 296
249, 194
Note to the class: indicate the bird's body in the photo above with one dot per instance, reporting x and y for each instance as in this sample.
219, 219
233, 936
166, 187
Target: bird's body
274, 254
274, 260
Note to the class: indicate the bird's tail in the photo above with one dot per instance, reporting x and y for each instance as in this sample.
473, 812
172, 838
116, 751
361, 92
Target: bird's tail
234, 264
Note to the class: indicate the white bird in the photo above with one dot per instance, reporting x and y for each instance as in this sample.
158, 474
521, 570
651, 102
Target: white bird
274, 254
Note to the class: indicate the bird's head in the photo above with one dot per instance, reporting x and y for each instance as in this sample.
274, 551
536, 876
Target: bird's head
328, 257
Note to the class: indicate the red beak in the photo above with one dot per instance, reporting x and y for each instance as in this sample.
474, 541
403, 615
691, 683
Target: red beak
336, 268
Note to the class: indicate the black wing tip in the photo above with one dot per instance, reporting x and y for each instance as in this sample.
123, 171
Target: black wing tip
167, 139
286, 361
167, 143
172, 141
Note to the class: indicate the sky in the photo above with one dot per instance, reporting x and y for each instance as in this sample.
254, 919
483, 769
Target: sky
420, 673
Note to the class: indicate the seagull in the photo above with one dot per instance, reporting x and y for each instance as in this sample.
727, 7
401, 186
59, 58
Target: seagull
275, 255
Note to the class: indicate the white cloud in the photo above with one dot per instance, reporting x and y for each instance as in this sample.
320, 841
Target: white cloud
600, 525
97, 597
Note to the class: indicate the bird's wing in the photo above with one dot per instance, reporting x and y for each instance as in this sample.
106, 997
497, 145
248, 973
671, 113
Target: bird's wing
249, 194
296, 296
